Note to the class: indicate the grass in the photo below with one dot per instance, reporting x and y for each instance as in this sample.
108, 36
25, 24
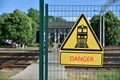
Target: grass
93, 75
112, 75
7, 74
81, 76
28, 48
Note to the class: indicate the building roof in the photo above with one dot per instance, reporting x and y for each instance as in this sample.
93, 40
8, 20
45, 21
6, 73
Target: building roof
60, 24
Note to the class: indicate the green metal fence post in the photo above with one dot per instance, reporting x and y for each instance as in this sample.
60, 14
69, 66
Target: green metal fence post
41, 43
46, 41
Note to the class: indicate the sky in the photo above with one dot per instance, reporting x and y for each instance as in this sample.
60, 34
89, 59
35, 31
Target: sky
75, 2
7, 6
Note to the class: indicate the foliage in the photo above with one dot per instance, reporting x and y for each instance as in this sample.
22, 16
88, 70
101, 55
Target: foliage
33, 35
93, 74
112, 28
18, 27
55, 19
95, 23
109, 75
34, 15
3, 35
1, 22
21, 27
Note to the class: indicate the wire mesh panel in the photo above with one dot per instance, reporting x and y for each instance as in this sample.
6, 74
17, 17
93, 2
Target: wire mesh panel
61, 19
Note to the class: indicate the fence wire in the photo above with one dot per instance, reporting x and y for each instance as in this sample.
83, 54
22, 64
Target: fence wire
61, 19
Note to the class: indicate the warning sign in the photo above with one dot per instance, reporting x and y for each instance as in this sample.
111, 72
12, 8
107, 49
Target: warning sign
81, 40
81, 59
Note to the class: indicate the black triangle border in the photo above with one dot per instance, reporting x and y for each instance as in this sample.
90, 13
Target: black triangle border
82, 16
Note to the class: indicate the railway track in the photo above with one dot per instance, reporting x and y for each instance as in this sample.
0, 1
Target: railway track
23, 58
17, 58
111, 57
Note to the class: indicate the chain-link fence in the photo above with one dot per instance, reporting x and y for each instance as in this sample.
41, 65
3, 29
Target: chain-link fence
61, 19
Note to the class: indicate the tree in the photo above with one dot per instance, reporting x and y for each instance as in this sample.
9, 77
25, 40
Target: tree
3, 31
34, 14
1, 22
59, 19
51, 18
19, 27
112, 29
95, 23
33, 35
55, 19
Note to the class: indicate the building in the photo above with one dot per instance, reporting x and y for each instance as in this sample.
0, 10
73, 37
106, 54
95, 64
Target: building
57, 31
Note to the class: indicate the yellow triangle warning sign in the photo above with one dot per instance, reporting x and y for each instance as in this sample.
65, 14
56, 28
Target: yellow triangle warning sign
81, 37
